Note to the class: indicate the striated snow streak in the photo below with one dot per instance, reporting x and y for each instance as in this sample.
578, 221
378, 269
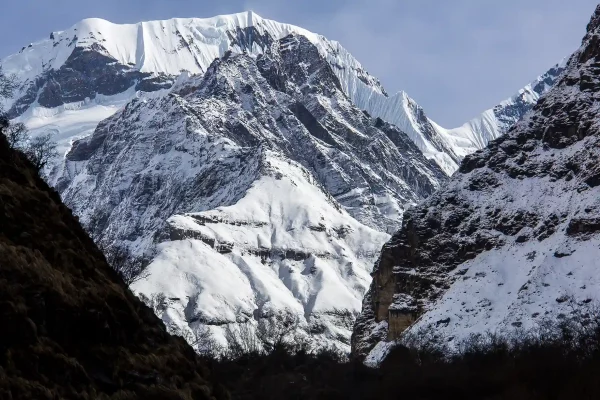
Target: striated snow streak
176, 45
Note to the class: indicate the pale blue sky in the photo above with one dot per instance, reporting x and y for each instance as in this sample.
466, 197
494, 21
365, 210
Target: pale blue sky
455, 57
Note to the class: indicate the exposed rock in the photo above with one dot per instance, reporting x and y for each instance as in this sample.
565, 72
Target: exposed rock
86, 73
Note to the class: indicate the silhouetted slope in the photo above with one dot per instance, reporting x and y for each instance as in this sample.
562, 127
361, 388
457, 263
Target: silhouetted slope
69, 326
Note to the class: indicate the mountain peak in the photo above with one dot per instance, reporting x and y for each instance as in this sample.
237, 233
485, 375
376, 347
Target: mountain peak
594, 23
262, 173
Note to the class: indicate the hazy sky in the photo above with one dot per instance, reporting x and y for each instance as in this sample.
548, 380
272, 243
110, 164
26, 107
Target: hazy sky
455, 57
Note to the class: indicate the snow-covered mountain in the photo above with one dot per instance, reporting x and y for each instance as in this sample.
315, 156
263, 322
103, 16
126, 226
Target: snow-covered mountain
513, 239
231, 157
449, 146
76, 78
255, 192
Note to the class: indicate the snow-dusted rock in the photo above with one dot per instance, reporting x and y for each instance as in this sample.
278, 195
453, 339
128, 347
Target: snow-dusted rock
253, 191
513, 238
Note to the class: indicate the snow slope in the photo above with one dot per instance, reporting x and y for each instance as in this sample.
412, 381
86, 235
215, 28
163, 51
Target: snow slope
513, 239
278, 256
148, 56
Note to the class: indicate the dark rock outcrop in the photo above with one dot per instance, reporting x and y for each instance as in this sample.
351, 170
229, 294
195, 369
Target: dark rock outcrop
87, 73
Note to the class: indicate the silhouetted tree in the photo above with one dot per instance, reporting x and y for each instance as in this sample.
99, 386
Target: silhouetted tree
40, 150
8, 84
16, 134
131, 269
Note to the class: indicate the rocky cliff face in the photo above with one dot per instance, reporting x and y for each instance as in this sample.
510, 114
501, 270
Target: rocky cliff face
70, 327
512, 239
258, 188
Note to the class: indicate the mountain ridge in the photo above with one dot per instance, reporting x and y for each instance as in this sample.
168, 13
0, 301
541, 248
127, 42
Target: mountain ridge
141, 51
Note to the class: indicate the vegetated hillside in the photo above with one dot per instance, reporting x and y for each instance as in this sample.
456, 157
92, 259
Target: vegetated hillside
70, 328
559, 362
513, 238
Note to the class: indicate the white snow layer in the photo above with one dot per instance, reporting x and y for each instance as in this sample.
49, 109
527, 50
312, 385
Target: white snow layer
318, 269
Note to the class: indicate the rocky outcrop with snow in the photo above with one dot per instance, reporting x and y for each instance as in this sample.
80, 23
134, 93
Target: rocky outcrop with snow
255, 193
512, 239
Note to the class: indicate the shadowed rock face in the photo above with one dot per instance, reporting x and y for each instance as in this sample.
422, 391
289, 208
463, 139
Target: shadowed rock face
86, 73
70, 327
522, 211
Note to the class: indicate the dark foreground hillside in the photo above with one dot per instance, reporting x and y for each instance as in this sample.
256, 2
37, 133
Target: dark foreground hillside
69, 327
